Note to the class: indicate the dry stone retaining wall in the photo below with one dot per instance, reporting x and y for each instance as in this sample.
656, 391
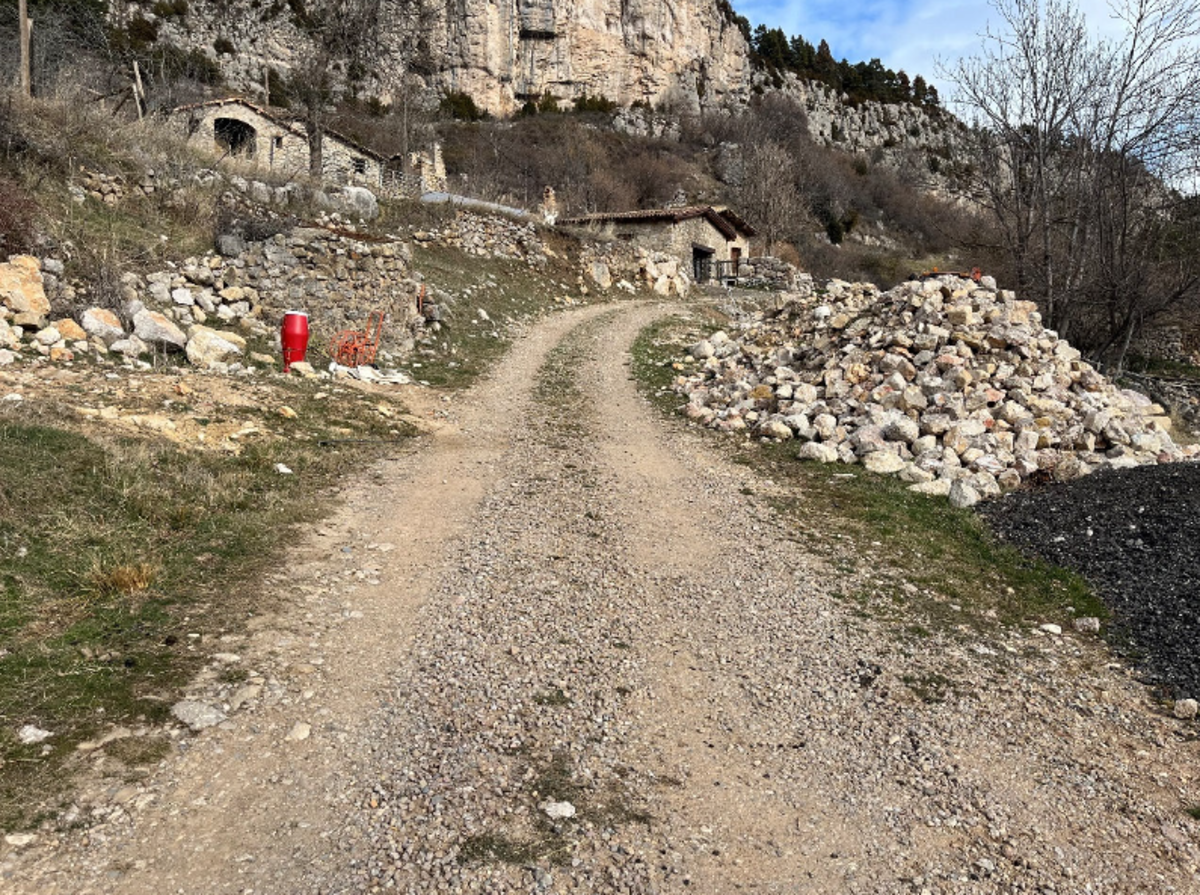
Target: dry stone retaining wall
488, 236
211, 305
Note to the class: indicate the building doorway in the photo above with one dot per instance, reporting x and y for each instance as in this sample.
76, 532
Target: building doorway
702, 260
235, 137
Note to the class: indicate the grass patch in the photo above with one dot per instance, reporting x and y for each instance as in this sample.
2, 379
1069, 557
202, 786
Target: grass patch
929, 687
654, 354
958, 574
495, 847
509, 292
552, 697
115, 552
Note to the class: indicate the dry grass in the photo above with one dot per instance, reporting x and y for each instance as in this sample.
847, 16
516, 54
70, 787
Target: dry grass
117, 547
120, 580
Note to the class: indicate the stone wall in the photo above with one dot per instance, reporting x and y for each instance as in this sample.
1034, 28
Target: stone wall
769, 272
489, 236
211, 305
1166, 342
621, 265
335, 277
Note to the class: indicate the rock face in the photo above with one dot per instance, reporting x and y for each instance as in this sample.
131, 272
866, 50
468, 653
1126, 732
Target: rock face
689, 55
950, 384
504, 53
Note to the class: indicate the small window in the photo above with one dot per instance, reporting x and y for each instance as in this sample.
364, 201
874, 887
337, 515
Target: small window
360, 166
278, 142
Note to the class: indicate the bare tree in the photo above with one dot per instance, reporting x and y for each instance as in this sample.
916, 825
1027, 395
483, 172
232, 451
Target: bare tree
768, 195
347, 41
1084, 148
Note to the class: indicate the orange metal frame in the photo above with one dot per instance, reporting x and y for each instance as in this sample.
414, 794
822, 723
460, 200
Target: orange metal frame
357, 347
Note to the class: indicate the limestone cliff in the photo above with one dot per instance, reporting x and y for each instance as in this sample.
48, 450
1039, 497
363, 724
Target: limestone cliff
685, 54
504, 52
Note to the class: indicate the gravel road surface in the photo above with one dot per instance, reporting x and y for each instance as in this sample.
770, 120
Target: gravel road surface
566, 646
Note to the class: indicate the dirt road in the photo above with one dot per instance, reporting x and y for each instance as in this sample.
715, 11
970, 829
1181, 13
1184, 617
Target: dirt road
567, 647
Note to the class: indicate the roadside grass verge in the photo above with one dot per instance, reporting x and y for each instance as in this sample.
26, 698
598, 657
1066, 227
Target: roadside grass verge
907, 558
122, 560
509, 292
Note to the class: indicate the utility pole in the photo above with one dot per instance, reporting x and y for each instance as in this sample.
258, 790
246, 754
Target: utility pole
25, 27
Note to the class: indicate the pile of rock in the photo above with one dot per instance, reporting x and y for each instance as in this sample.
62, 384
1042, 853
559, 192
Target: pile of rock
950, 384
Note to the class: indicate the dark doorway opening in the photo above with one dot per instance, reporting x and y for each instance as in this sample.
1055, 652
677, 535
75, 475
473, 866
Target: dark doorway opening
702, 258
235, 137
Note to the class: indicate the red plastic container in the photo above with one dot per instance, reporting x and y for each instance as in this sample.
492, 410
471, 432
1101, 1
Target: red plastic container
294, 338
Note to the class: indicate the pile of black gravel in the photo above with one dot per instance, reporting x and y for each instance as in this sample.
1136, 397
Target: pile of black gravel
1135, 535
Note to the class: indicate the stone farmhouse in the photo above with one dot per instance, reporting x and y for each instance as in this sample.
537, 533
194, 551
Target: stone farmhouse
711, 241
268, 141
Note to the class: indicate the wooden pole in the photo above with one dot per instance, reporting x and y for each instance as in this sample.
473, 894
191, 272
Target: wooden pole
25, 28
139, 93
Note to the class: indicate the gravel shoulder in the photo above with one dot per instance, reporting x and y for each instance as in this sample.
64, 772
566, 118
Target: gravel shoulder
562, 600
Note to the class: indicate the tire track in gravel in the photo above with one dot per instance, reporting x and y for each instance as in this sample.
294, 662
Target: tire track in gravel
245, 808
628, 633
583, 606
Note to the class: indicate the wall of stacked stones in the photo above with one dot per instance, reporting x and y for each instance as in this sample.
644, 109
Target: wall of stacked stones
210, 306
488, 236
770, 272
626, 266
337, 279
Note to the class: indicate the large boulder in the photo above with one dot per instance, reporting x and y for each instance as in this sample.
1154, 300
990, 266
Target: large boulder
70, 330
102, 324
23, 292
207, 347
356, 202
158, 332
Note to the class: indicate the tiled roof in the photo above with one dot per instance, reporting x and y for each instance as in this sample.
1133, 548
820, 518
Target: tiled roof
724, 220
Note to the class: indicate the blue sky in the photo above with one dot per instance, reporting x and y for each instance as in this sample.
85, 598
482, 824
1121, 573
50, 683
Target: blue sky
904, 34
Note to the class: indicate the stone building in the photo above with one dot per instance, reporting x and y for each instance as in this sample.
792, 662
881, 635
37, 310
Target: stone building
712, 242
238, 129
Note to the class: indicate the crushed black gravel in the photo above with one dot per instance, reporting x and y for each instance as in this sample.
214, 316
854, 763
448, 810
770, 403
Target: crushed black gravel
1135, 535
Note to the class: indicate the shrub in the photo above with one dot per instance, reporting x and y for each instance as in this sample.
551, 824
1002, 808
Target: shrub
461, 106
166, 9
280, 90
587, 103
223, 46
141, 31
18, 212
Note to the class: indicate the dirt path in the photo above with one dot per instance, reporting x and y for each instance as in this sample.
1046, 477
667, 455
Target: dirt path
560, 605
